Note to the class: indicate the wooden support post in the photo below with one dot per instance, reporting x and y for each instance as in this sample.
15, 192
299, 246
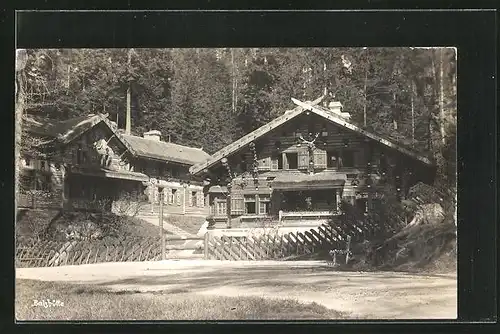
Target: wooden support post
205, 245
162, 237
348, 249
228, 205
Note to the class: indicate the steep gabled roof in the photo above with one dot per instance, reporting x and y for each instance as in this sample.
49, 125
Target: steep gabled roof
289, 115
160, 150
66, 131
61, 129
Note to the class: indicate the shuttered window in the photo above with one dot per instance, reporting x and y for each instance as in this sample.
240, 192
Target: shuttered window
264, 204
171, 196
194, 199
285, 161
167, 194
274, 163
303, 159
319, 158
201, 199
156, 195
220, 208
237, 206
178, 197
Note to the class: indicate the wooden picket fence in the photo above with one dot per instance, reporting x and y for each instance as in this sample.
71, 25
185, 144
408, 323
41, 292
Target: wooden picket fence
325, 238
40, 253
334, 237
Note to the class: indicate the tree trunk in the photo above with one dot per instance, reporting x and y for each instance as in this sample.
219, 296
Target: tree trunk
68, 80
441, 97
20, 105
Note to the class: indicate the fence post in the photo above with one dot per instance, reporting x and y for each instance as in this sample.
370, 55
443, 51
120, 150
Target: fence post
205, 245
348, 248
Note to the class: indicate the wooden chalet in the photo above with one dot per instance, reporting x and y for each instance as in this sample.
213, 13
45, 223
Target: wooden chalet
299, 166
87, 163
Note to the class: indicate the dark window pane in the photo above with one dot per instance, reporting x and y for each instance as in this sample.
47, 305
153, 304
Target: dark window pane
347, 158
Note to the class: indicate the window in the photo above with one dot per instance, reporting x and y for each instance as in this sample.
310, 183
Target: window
347, 158
28, 162
220, 208
280, 161
194, 198
175, 171
79, 154
161, 169
264, 204
277, 162
362, 205
332, 158
42, 165
171, 196
293, 160
250, 207
237, 205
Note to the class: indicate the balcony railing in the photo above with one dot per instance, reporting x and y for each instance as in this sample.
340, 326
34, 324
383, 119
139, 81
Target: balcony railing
306, 215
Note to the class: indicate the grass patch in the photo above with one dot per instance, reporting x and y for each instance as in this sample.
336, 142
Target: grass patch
190, 224
85, 302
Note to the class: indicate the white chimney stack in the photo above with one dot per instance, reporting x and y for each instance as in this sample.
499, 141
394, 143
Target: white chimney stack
153, 135
336, 107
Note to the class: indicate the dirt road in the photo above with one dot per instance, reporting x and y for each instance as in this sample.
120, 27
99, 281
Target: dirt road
375, 295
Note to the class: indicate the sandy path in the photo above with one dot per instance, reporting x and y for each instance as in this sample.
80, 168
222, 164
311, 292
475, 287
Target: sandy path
377, 295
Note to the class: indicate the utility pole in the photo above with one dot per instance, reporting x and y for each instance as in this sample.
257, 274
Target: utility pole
365, 97
234, 81
128, 118
412, 114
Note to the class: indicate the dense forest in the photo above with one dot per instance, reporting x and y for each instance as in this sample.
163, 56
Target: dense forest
210, 97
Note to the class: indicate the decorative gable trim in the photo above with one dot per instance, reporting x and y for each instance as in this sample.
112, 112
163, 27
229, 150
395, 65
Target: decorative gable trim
291, 114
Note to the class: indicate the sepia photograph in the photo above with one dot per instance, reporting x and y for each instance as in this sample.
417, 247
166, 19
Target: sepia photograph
236, 183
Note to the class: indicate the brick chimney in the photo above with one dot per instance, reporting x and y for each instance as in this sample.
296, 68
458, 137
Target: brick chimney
153, 135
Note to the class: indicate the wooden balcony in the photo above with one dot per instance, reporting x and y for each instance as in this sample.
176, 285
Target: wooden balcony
300, 218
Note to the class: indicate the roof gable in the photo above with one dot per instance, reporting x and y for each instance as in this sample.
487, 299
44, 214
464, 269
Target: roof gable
291, 114
64, 132
337, 119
